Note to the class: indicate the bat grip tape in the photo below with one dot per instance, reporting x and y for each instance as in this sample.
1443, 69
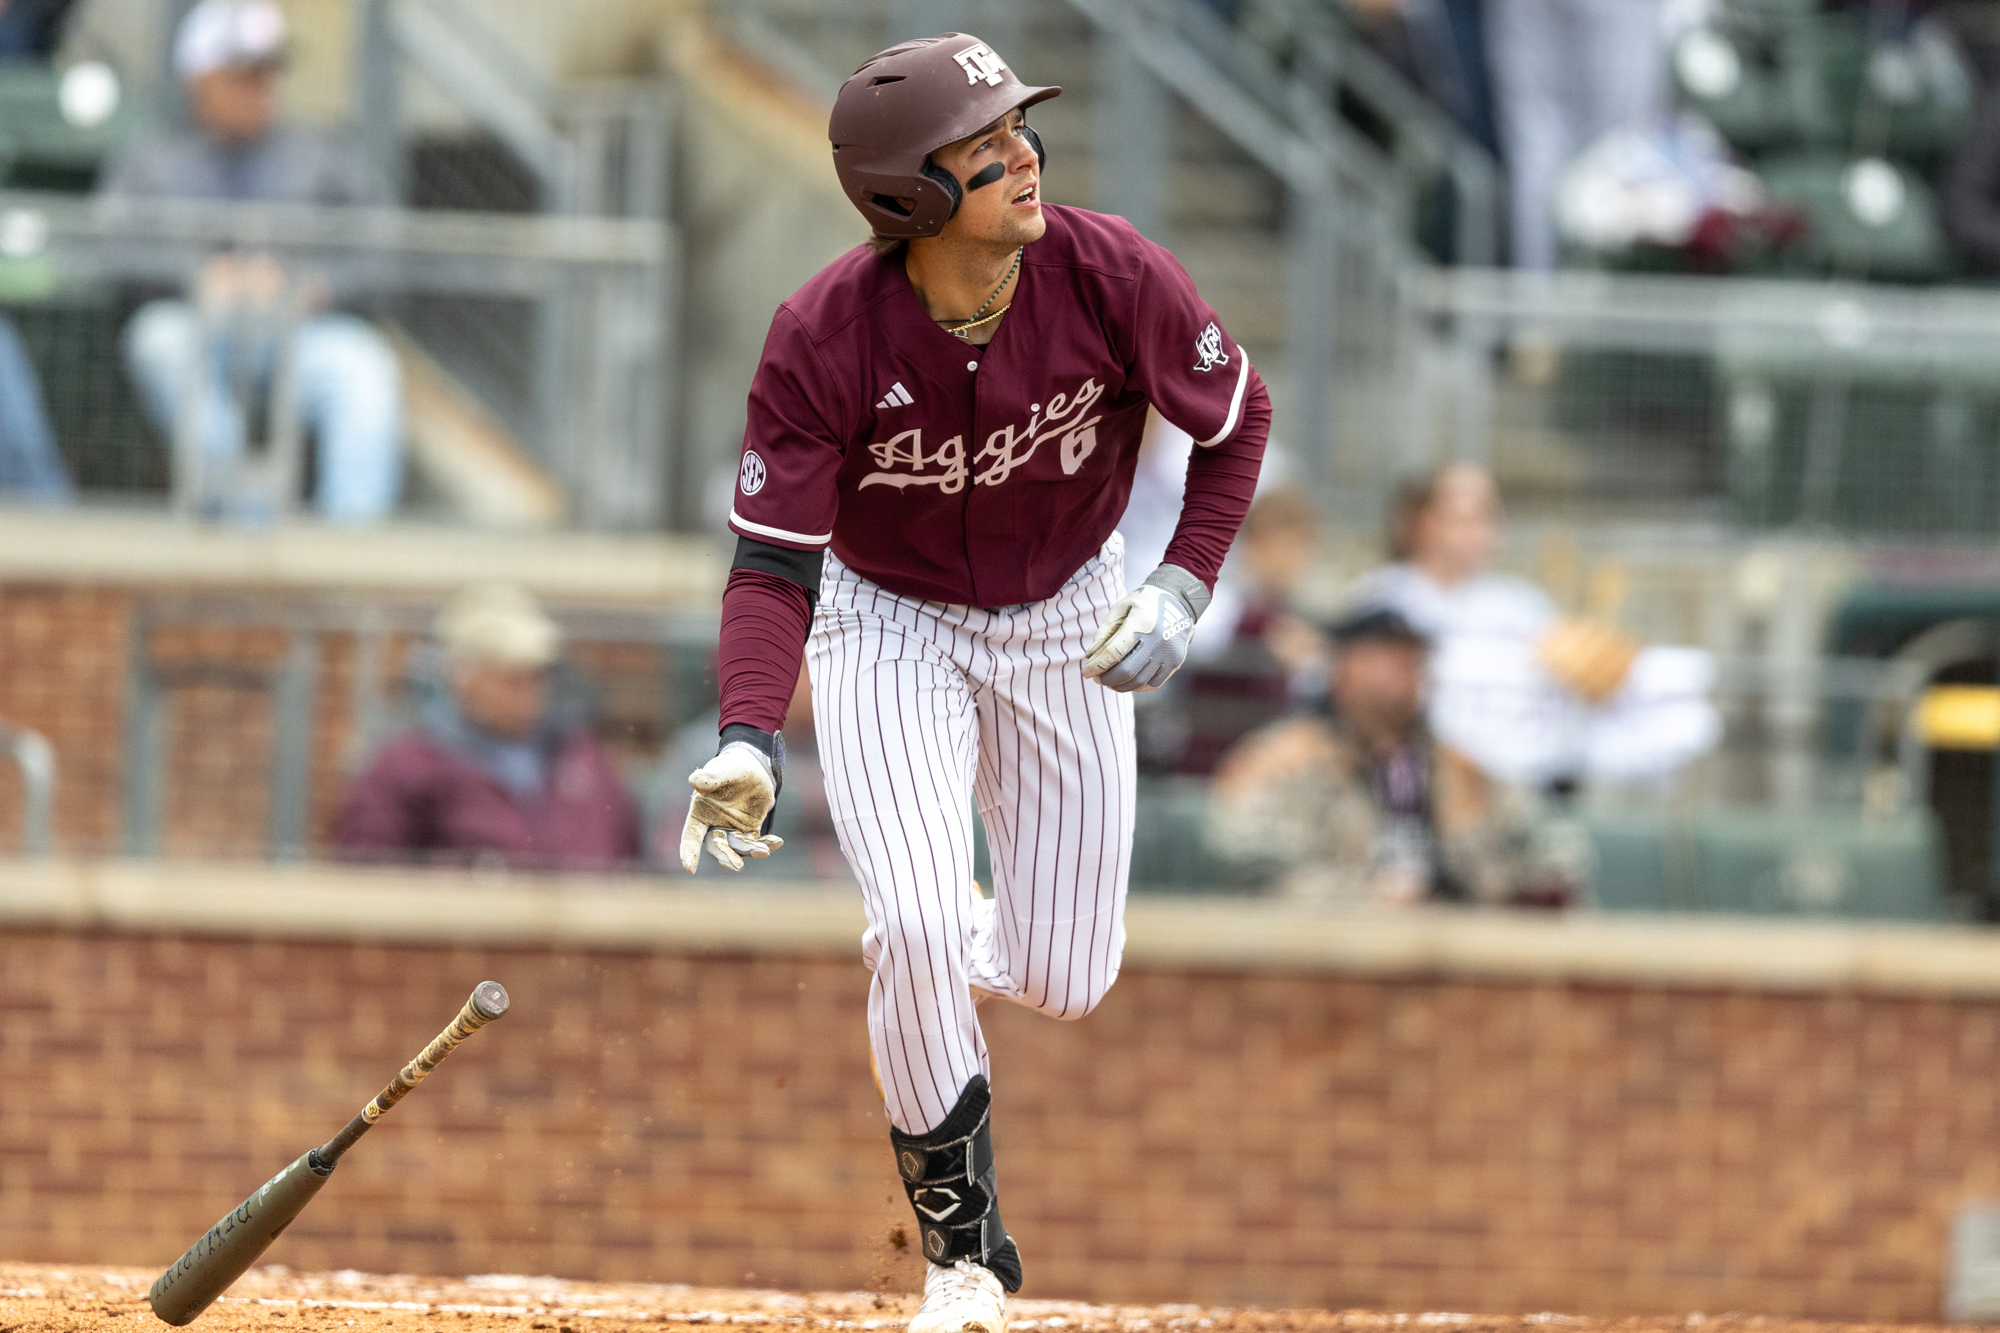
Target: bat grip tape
488, 1002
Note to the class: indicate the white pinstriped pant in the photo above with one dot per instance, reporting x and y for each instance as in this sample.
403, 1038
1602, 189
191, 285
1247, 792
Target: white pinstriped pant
920, 706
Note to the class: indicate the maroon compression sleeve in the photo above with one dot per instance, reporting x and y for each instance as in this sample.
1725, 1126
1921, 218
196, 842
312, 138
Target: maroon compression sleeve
764, 624
1220, 483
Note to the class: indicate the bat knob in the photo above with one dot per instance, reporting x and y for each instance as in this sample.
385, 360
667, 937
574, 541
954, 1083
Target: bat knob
490, 999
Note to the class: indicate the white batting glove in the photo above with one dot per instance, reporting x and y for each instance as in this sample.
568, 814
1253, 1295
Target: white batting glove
733, 796
1146, 637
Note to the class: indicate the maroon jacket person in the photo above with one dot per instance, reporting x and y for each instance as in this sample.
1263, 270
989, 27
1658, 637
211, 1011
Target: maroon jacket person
941, 441
496, 771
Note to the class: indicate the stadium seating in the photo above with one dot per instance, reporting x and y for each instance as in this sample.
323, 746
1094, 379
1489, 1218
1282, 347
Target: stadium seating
52, 138
1843, 123
1769, 864
1819, 866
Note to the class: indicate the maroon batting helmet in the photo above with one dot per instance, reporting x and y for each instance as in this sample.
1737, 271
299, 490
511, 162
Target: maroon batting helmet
903, 105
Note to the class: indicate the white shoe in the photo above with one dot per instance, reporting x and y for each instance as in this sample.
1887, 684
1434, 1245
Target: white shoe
964, 1298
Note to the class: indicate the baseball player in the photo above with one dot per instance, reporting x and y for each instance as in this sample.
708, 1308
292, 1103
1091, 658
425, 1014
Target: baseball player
942, 435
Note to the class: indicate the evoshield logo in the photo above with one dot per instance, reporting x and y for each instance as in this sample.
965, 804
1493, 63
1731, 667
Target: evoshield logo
948, 1197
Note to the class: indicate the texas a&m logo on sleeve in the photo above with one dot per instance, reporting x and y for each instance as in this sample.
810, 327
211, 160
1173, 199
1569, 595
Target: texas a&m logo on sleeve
1208, 353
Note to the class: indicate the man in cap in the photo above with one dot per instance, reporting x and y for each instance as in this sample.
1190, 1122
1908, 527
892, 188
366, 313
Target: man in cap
942, 436
228, 54
498, 769
1363, 806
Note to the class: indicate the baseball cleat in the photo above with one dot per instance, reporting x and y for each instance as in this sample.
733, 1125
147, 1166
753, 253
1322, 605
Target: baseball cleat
962, 1298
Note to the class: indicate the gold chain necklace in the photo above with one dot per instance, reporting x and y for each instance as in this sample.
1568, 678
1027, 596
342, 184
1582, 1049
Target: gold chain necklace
962, 330
980, 316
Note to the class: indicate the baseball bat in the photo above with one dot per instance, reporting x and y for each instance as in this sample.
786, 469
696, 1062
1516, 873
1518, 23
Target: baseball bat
229, 1247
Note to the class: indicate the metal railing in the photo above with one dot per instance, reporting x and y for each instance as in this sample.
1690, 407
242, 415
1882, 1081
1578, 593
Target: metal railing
35, 759
598, 148
1794, 406
557, 326
246, 716
244, 707
313, 684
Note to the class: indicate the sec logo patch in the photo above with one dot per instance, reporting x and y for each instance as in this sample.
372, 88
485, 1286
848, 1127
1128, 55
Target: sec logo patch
751, 476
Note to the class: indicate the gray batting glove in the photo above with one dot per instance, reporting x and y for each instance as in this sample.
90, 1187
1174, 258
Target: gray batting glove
1146, 637
733, 796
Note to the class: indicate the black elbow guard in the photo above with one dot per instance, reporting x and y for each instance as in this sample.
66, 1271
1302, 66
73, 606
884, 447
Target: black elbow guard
800, 567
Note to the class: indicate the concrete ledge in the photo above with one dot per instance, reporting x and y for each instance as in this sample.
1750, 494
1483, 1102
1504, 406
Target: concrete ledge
1233, 935
426, 907
1706, 952
158, 550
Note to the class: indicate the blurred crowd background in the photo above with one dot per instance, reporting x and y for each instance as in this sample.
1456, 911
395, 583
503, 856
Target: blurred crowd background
372, 376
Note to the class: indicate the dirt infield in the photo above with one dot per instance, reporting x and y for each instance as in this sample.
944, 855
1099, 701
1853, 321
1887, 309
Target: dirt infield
88, 1299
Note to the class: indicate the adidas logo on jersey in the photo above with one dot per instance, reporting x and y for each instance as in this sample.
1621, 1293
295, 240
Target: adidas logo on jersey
897, 396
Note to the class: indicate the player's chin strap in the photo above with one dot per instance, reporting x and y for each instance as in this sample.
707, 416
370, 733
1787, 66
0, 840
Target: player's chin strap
948, 1174
770, 744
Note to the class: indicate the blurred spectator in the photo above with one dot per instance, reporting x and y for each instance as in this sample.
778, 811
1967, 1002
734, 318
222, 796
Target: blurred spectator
497, 770
1261, 581
227, 54
1253, 655
1670, 190
1444, 534
1364, 806
30, 467
31, 29
802, 816
1565, 74
1527, 694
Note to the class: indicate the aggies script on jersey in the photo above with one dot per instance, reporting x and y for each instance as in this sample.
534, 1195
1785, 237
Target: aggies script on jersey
986, 476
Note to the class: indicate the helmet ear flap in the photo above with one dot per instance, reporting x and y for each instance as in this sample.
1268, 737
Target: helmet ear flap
946, 182
955, 192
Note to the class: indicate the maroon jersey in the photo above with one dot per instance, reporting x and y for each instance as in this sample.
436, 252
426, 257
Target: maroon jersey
987, 476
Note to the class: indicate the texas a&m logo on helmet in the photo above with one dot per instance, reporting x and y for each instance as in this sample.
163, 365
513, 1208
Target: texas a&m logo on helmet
979, 62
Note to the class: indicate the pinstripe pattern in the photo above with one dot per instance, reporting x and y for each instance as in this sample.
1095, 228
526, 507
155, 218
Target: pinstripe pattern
920, 707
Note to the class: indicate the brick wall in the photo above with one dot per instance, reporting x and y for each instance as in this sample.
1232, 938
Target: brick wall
1206, 1136
62, 673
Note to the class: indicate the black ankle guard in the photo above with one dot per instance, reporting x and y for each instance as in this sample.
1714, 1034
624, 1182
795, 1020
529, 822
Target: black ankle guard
948, 1174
